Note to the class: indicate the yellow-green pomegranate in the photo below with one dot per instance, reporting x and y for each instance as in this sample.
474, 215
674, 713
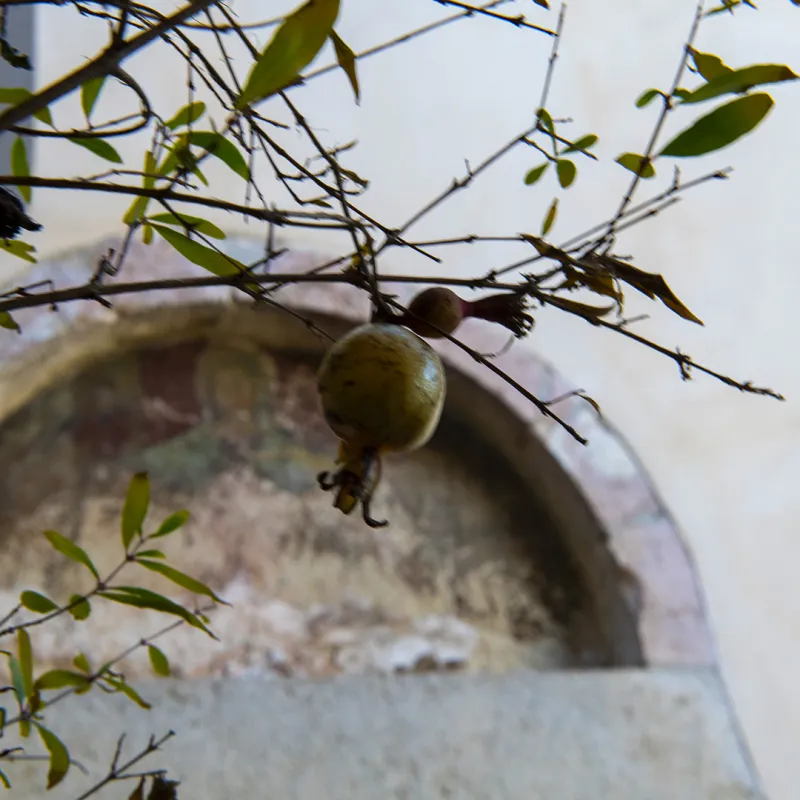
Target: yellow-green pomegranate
382, 389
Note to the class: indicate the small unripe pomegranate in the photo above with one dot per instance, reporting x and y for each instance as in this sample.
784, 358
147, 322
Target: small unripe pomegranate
439, 310
382, 389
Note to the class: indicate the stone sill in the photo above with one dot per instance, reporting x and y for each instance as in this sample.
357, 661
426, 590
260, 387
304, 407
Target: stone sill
621, 735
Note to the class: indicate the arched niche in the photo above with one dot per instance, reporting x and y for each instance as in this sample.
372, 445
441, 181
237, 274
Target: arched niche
510, 545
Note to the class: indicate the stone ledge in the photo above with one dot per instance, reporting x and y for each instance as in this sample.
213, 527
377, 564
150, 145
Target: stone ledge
623, 735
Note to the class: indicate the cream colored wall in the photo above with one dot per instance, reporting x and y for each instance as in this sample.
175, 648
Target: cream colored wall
726, 463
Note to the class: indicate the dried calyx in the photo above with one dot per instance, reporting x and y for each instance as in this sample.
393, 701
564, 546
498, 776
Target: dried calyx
438, 311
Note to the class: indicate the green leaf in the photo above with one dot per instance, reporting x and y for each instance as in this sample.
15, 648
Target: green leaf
139, 205
566, 171
4, 780
550, 217
723, 126
150, 554
636, 164
19, 249
71, 550
294, 45
346, 59
134, 510
25, 655
740, 80
147, 234
708, 65
172, 523
17, 681
82, 663
158, 661
34, 601
223, 149
90, 91
584, 143
533, 175
647, 97
8, 322
215, 262
19, 166
59, 756
176, 576
543, 115
58, 679
99, 147
187, 115
126, 689
142, 598
181, 159
194, 223
81, 608
15, 96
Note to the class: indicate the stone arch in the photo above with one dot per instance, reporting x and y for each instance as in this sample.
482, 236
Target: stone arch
643, 604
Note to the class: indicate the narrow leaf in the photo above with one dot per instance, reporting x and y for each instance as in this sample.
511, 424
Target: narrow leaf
205, 257
158, 661
25, 655
150, 554
708, 65
15, 96
566, 171
740, 80
194, 223
90, 91
17, 681
590, 313
584, 143
187, 115
550, 217
59, 756
34, 601
176, 576
14, 57
636, 164
135, 507
172, 523
58, 679
100, 147
723, 126
294, 45
139, 205
223, 149
4, 780
346, 59
647, 97
8, 322
543, 115
71, 550
82, 663
126, 689
19, 166
533, 175
81, 608
21, 250
142, 598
